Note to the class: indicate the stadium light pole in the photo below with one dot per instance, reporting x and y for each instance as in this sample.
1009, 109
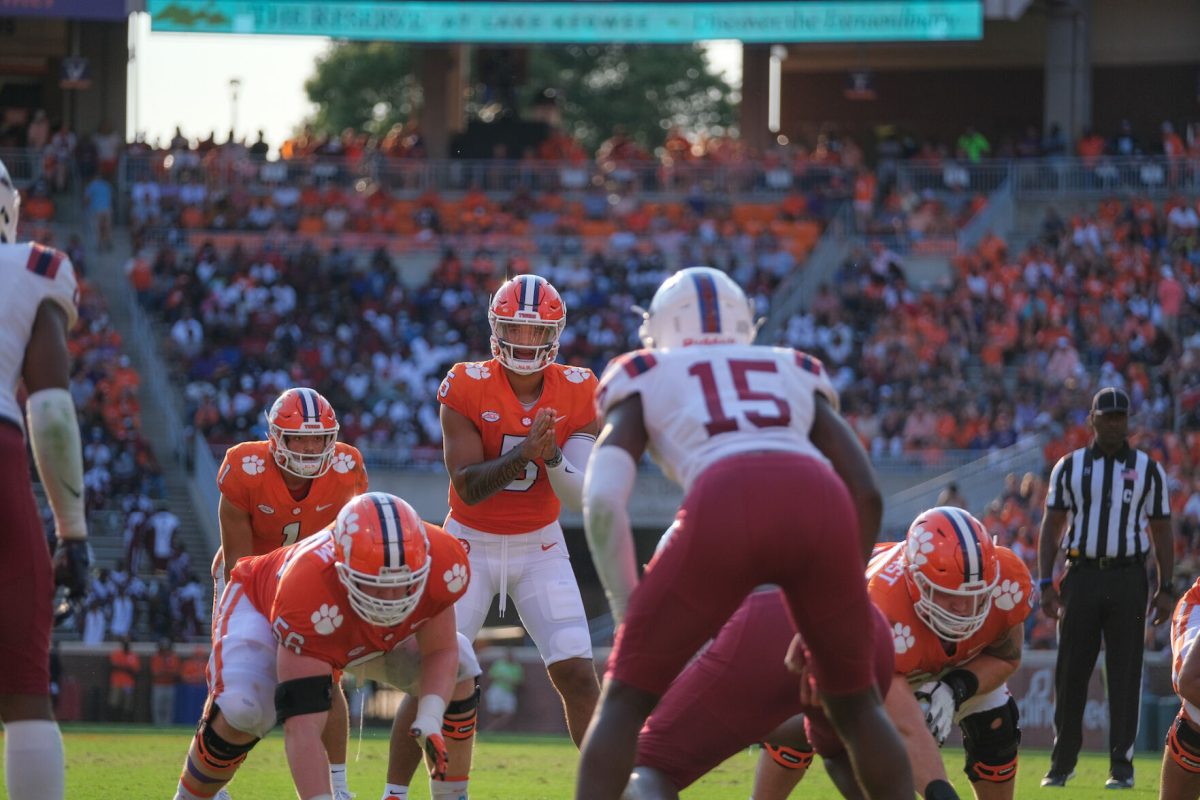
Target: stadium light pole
234, 85
774, 86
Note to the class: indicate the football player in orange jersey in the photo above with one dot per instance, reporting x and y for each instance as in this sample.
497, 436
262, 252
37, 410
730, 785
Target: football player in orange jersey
378, 590
277, 492
517, 432
1181, 754
956, 604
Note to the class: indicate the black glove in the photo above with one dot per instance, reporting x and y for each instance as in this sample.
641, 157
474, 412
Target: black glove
72, 565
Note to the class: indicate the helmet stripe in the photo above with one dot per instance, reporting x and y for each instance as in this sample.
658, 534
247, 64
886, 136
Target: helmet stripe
969, 542
710, 310
389, 526
537, 292
312, 407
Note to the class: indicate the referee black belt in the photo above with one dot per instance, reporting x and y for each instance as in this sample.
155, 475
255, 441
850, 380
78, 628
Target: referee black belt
1106, 562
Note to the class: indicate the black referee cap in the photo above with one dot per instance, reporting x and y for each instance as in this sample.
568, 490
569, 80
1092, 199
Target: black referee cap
1110, 400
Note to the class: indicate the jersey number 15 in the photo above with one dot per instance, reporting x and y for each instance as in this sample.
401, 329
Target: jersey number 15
740, 370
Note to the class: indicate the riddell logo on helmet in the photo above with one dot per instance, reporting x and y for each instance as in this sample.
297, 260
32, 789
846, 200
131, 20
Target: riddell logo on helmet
526, 315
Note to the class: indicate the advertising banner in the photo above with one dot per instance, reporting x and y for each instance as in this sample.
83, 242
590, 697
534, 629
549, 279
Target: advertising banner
68, 9
523, 22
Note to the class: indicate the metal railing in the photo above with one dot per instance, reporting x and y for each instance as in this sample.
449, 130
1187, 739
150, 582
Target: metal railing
1037, 178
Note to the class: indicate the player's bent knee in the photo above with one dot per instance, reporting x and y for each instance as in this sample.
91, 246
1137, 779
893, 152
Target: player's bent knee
992, 739
1183, 744
218, 752
461, 717
247, 712
790, 758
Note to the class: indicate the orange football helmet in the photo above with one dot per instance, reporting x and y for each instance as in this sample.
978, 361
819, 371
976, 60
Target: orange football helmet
527, 316
302, 412
951, 568
381, 554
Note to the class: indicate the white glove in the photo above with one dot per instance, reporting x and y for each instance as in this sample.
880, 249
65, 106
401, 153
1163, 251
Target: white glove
937, 701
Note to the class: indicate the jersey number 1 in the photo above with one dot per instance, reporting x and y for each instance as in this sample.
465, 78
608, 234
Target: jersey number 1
291, 532
739, 369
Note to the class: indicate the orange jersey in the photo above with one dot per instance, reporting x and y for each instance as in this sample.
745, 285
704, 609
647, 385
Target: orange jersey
920, 654
251, 481
297, 589
480, 392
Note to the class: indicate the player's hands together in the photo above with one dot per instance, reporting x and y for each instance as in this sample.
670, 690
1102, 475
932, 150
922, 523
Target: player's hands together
540, 443
937, 701
428, 733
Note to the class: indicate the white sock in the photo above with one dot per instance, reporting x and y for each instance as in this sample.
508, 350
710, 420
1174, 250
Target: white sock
33, 760
448, 790
337, 776
395, 791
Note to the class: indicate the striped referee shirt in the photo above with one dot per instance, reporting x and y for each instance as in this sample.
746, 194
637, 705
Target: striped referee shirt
1110, 499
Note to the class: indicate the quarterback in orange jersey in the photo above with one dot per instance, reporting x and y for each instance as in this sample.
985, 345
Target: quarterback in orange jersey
517, 432
277, 492
1181, 754
378, 589
956, 604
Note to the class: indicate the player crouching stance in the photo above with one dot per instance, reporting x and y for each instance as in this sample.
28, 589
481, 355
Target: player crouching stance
956, 604
380, 583
1181, 755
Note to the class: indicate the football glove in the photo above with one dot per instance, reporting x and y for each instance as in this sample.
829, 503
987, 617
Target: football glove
937, 701
941, 699
433, 744
72, 564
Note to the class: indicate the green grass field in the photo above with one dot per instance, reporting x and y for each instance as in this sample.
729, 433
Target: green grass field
107, 762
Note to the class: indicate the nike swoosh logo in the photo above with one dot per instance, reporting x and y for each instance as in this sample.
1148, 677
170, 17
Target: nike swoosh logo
546, 547
322, 508
70, 489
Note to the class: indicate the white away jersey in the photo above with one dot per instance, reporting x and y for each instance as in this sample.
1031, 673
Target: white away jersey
29, 274
705, 402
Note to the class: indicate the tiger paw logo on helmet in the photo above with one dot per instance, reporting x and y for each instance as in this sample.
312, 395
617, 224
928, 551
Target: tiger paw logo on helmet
478, 371
576, 374
920, 542
348, 524
1007, 595
253, 465
343, 463
902, 637
327, 619
455, 578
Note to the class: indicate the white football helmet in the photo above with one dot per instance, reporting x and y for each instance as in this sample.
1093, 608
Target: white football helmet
698, 305
10, 206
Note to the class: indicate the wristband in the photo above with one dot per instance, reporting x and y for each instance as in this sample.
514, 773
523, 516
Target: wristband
1044, 582
963, 683
556, 459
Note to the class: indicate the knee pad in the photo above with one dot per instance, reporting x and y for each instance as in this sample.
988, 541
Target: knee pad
461, 716
217, 752
790, 758
245, 710
991, 739
1183, 743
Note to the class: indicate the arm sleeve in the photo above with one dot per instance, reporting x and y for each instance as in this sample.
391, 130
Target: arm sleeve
567, 479
54, 439
607, 489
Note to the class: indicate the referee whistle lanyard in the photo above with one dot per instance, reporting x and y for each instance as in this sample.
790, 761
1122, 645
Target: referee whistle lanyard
503, 574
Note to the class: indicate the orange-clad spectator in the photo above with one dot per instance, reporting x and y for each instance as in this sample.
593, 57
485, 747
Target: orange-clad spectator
865, 186
311, 223
1090, 147
124, 666
141, 275
1172, 145
164, 675
37, 207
